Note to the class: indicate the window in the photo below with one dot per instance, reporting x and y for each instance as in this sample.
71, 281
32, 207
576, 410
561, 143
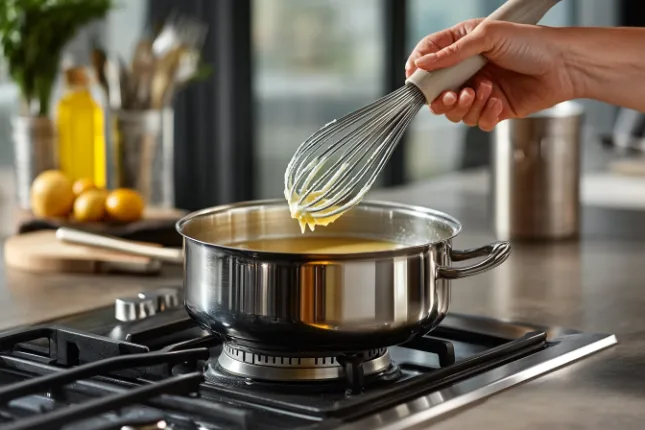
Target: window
313, 61
283, 68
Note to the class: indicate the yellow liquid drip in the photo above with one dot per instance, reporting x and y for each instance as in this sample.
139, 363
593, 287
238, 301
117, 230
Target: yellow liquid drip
319, 245
306, 219
81, 141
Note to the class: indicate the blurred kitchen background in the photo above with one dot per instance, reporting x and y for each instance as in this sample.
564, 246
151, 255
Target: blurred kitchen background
283, 68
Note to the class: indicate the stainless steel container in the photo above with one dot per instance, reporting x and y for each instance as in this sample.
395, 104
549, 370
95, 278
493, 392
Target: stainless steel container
142, 144
306, 302
535, 176
34, 140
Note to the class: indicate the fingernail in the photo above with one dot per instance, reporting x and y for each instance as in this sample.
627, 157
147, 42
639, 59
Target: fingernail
484, 90
433, 110
449, 99
426, 61
500, 106
467, 96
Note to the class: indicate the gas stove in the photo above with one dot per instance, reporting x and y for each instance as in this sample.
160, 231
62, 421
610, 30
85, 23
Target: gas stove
144, 364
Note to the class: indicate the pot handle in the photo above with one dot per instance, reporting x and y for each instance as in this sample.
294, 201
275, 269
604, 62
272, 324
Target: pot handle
496, 253
168, 255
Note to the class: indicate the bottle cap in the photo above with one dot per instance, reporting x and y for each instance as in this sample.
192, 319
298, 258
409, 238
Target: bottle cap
76, 76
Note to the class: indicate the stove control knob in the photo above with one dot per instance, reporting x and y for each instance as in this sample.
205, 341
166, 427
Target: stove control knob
164, 298
134, 308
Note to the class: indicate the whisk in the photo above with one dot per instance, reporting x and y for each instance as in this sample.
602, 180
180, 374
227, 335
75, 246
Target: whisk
335, 167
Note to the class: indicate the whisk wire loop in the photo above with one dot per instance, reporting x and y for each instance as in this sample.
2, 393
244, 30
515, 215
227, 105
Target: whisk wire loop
334, 168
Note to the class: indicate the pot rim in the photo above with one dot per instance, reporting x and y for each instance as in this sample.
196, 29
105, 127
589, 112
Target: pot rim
265, 255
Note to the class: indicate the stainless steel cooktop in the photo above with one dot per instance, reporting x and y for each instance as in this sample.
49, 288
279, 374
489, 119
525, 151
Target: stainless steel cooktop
565, 347
144, 364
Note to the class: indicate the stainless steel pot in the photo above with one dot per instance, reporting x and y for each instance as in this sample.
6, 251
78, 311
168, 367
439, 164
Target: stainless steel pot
296, 302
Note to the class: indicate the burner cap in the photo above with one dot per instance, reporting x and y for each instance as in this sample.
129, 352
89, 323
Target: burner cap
306, 367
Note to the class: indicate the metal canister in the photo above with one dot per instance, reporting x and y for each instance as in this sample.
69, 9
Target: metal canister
535, 187
34, 140
142, 144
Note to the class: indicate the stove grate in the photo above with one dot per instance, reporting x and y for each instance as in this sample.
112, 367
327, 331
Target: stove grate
112, 395
90, 370
90, 375
69, 347
182, 384
346, 405
444, 349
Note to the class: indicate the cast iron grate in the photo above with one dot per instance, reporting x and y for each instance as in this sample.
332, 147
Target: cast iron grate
114, 376
414, 381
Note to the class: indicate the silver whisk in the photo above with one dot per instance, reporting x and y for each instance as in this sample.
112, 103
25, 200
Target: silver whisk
365, 152
335, 167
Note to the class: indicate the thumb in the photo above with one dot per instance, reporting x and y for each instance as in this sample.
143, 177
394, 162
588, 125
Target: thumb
468, 46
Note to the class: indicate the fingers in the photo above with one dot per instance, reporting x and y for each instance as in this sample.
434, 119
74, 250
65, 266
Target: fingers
482, 94
474, 108
444, 102
429, 44
472, 44
463, 105
491, 114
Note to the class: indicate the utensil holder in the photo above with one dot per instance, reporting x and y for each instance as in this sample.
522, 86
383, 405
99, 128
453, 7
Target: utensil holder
34, 140
536, 175
142, 144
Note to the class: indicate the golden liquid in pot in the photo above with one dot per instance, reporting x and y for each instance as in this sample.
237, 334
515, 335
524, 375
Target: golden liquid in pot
319, 245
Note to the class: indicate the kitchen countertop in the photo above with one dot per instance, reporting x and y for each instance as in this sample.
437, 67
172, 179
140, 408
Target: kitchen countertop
595, 284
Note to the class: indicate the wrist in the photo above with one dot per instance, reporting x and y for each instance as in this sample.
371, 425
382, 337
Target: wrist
605, 64
576, 62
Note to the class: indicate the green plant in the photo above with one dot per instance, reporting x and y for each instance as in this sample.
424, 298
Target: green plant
33, 34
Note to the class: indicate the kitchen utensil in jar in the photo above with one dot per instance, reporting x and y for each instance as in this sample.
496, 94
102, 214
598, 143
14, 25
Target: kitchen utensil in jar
113, 81
327, 302
99, 59
159, 67
179, 32
126, 85
143, 141
164, 78
536, 174
334, 168
142, 71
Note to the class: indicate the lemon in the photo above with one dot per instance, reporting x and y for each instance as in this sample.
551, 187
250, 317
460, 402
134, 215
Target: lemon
51, 194
82, 185
90, 206
124, 205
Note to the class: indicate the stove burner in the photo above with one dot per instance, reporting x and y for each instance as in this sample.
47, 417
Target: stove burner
263, 366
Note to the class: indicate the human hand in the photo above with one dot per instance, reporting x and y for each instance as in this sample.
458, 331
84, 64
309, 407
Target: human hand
525, 72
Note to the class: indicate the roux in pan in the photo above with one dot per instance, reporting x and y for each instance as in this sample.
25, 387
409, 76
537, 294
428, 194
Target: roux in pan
319, 245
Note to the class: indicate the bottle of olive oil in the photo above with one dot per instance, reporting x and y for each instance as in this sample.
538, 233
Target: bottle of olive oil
80, 126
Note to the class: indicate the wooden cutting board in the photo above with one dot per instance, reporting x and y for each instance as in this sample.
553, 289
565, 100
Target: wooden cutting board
41, 252
157, 225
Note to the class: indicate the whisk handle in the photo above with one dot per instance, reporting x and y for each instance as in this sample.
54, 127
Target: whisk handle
434, 83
